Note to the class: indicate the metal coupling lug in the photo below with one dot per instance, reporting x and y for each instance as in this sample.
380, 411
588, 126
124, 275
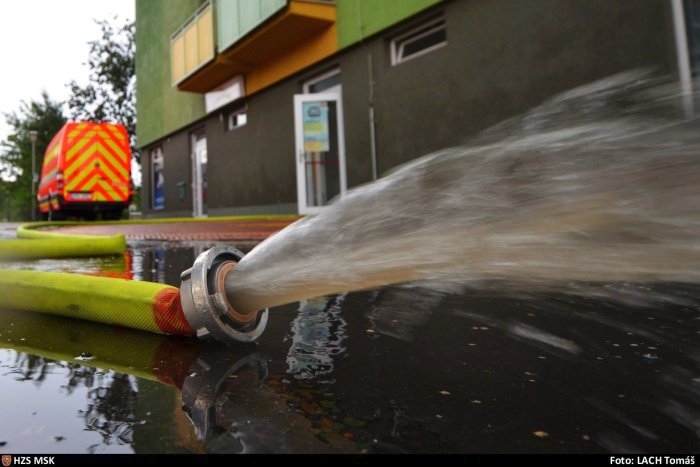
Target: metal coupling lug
204, 301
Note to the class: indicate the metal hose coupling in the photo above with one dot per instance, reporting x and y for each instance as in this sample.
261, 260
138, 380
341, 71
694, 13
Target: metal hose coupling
204, 301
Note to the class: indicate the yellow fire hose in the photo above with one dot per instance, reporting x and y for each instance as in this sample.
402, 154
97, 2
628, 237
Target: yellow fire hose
195, 309
58, 245
134, 304
54, 245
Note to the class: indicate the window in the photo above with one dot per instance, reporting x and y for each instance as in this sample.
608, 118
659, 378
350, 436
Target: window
237, 117
157, 179
236, 120
326, 82
418, 41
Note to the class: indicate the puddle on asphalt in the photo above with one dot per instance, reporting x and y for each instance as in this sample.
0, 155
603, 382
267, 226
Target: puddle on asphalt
400, 369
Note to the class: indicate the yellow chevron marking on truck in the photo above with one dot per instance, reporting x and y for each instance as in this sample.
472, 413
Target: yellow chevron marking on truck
79, 145
83, 176
104, 185
89, 152
97, 185
52, 154
88, 177
116, 148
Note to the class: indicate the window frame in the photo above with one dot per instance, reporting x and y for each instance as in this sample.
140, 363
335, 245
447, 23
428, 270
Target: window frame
240, 109
319, 78
417, 32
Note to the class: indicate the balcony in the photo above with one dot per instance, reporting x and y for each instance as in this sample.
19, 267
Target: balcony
293, 34
192, 45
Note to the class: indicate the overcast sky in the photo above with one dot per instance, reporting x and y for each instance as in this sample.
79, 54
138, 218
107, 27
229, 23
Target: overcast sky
43, 45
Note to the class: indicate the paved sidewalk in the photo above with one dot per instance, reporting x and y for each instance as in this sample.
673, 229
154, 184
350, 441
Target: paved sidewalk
9, 229
224, 230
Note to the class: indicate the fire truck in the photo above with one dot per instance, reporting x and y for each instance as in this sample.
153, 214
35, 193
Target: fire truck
86, 173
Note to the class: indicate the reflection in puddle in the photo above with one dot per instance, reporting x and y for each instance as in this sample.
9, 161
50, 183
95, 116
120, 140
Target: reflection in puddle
67, 408
111, 410
317, 335
204, 384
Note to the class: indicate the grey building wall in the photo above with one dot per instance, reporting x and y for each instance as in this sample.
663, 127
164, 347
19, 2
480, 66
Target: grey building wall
252, 168
502, 57
176, 170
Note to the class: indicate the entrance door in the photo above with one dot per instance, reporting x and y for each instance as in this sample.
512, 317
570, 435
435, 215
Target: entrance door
320, 148
199, 173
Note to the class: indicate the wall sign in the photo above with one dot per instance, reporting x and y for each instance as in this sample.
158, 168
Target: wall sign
316, 137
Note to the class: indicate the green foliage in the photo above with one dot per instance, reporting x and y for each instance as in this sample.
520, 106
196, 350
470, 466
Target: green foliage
44, 116
110, 95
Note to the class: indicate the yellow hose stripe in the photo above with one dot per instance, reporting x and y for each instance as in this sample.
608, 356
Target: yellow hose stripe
56, 245
62, 248
29, 231
112, 301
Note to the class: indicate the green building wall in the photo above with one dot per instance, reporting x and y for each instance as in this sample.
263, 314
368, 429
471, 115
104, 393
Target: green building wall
358, 19
160, 108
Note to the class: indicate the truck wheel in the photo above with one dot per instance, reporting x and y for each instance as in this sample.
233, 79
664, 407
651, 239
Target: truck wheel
55, 215
113, 215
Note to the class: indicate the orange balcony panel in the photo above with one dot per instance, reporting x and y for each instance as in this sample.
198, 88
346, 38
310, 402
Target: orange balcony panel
297, 25
212, 75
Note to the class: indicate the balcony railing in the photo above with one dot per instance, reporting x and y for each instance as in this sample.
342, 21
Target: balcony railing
192, 45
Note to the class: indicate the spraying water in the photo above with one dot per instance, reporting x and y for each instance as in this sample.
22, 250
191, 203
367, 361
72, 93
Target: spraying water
597, 186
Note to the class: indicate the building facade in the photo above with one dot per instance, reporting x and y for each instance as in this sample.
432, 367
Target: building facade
278, 106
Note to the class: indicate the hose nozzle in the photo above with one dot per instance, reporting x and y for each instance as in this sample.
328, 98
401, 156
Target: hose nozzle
204, 301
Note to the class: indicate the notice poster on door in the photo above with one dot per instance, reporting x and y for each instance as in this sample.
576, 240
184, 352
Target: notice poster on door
316, 138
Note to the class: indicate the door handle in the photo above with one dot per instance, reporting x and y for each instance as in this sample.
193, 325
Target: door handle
301, 155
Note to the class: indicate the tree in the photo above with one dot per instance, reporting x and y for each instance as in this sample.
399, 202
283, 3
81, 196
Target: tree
110, 94
44, 116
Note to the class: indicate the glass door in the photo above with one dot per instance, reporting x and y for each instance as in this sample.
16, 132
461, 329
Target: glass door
199, 173
320, 150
